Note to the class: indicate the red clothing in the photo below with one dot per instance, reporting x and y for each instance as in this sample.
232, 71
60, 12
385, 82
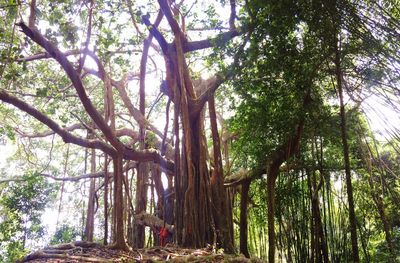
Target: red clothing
163, 236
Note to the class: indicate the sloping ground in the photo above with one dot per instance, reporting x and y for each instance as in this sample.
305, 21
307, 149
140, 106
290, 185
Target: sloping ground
92, 252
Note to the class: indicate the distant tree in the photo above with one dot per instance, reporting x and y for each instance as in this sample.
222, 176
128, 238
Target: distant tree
22, 204
64, 234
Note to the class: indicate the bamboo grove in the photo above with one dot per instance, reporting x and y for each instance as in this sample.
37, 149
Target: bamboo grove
240, 125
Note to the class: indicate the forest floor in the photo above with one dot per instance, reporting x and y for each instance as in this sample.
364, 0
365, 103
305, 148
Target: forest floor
92, 252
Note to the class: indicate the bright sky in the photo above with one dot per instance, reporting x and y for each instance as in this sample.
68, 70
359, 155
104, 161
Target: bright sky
381, 118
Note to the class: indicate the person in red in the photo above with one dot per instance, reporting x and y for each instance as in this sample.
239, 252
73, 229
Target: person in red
163, 236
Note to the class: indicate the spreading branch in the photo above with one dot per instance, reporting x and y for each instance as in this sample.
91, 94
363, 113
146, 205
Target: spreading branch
157, 35
170, 17
274, 160
76, 178
32, 13
65, 135
152, 221
76, 80
45, 55
220, 40
49, 132
121, 87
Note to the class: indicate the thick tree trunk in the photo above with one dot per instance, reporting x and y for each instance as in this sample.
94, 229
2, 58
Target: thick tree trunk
197, 222
343, 128
193, 218
219, 196
90, 210
194, 221
243, 219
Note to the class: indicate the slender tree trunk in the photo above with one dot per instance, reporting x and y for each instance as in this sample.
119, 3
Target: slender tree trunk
90, 210
243, 219
130, 231
106, 183
320, 250
281, 154
312, 221
141, 202
143, 168
271, 179
318, 232
377, 199
109, 117
62, 187
343, 128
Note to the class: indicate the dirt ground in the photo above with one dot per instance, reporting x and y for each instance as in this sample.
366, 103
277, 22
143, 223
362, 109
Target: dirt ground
92, 252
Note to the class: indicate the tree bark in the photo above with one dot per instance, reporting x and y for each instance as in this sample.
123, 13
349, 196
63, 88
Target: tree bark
219, 196
141, 202
89, 228
119, 233
382, 214
106, 183
271, 180
243, 219
275, 160
343, 129
378, 200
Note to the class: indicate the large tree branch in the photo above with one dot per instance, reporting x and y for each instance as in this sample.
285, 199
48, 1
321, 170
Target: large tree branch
170, 17
32, 13
212, 84
273, 162
65, 135
148, 156
142, 80
158, 36
217, 41
76, 178
187, 46
45, 55
49, 132
90, 109
152, 221
37, 37
135, 113
88, 35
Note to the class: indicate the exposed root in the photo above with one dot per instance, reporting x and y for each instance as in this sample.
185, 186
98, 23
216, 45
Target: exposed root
83, 258
78, 251
117, 246
91, 252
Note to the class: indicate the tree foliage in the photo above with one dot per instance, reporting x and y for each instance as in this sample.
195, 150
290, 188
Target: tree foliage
22, 205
